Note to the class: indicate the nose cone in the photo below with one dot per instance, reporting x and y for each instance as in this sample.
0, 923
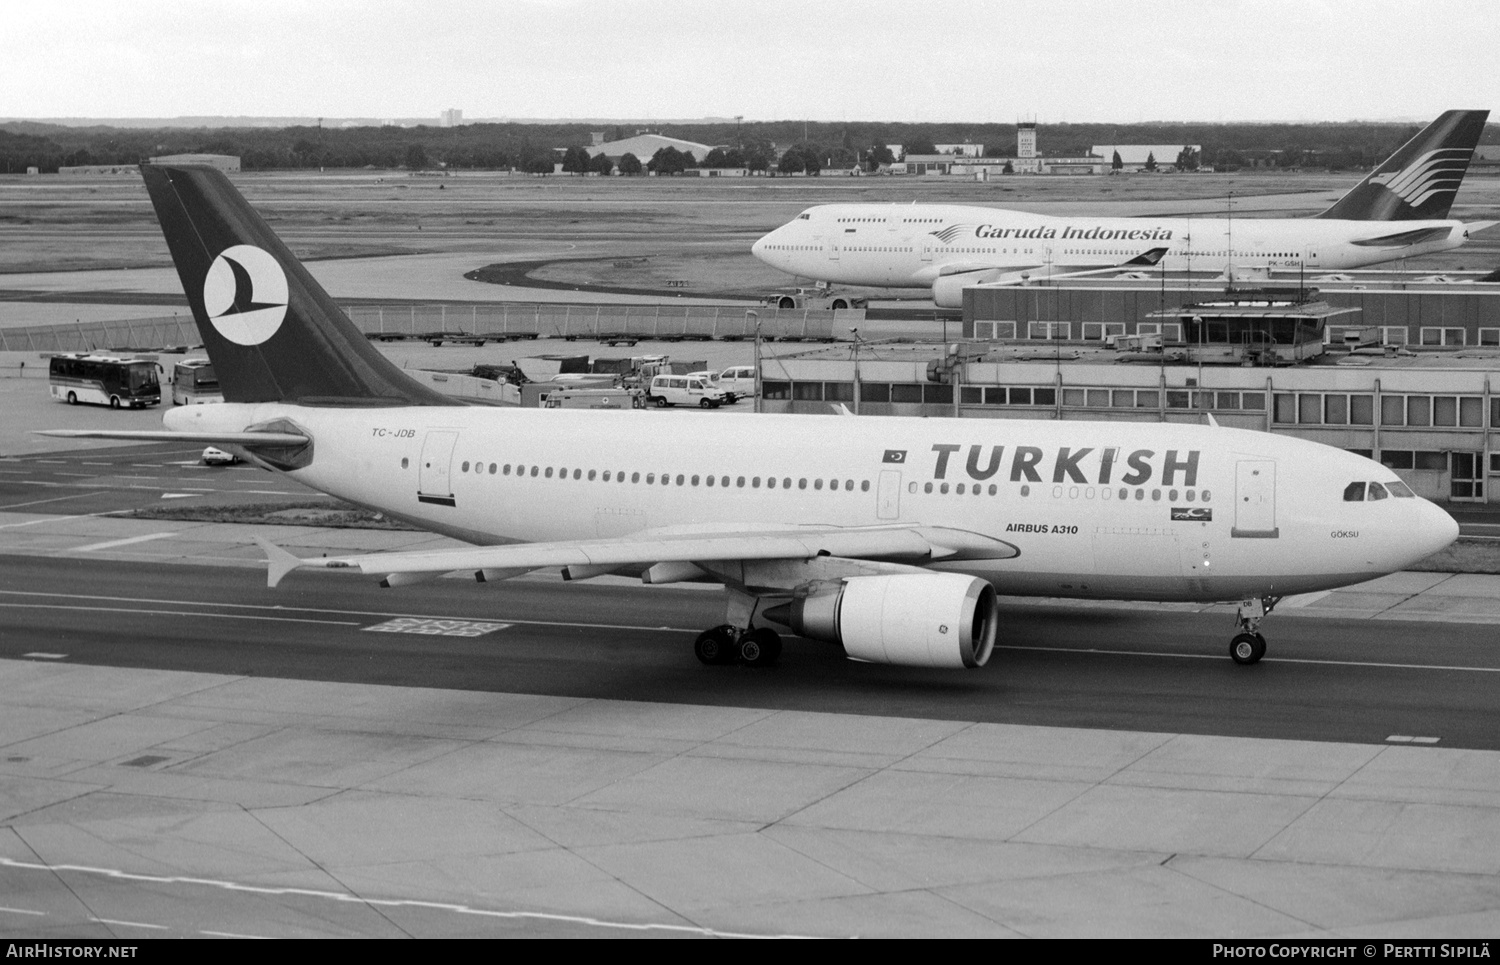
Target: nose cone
1435, 530
760, 247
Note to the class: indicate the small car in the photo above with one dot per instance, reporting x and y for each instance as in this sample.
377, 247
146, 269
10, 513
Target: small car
218, 457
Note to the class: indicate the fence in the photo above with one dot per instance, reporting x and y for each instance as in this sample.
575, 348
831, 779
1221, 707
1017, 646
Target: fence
492, 321
512, 320
135, 334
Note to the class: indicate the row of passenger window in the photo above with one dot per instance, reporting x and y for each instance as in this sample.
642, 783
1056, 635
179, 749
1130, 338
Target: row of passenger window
664, 479
1058, 492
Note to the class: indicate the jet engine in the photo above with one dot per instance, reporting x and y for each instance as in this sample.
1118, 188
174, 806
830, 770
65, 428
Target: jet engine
948, 290
915, 620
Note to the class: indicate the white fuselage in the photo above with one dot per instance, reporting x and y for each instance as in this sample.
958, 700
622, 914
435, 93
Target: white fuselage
1112, 510
912, 246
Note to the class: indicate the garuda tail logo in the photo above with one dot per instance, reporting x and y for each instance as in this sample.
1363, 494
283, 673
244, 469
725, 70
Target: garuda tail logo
245, 295
1431, 174
946, 235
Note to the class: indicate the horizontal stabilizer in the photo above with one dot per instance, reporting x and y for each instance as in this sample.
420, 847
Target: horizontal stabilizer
1404, 239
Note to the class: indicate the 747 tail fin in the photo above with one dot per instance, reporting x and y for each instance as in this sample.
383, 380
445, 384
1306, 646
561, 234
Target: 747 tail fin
1419, 181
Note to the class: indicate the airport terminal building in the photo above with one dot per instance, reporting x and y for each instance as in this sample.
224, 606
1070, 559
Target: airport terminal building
1412, 380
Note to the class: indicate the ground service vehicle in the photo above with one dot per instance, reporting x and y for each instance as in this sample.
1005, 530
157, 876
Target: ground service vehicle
668, 390
104, 380
617, 398
194, 383
820, 299
739, 380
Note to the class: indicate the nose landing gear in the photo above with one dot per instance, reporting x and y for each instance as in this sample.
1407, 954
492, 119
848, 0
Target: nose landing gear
1248, 646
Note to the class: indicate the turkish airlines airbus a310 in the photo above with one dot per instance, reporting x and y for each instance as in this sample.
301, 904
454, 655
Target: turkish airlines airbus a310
1399, 211
888, 536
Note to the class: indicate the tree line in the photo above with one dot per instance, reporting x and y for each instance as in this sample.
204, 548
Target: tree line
759, 146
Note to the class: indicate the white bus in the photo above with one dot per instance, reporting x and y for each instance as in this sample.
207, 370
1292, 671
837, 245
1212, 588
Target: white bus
104, 380
194, 383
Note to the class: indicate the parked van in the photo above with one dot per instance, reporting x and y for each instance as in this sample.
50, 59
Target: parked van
684, 390
740, 380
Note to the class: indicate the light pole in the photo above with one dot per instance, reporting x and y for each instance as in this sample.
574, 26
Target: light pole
752, 314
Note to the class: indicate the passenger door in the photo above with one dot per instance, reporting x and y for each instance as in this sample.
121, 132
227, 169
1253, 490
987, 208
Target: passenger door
435, 471
888, 496
1255, 499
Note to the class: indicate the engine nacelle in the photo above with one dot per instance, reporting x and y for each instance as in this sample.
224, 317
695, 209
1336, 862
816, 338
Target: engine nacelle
916, 620
948, 291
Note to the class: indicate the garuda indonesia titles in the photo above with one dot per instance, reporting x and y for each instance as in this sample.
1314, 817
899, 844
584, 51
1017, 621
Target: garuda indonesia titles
1399, 211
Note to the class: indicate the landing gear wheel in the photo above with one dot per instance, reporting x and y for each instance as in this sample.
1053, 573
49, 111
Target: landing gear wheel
716, 646
1247, 648
760, 647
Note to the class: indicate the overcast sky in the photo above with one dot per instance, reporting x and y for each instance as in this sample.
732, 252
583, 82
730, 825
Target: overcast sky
897, 60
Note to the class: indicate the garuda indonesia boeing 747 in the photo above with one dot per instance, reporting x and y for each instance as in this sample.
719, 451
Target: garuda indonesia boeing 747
1399, 211
890, 537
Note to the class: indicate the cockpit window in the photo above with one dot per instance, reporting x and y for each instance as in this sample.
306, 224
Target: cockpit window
805, 216
1400, 490
1377, 491
1354, 492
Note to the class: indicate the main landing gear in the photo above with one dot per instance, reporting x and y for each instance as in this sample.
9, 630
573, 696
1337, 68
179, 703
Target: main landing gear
725, 644
1248, 646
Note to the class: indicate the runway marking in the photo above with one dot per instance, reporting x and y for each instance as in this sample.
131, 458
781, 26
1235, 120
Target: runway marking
310, 609
177, 613
23, 911
129, 924
230, 934
119, 542
46, 656
343, 896
54, 499
1302, 600
1211, 656
1403, 739
442, 628
59, 519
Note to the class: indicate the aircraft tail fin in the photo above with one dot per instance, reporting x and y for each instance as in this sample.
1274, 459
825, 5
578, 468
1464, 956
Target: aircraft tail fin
1419, 181
272, 332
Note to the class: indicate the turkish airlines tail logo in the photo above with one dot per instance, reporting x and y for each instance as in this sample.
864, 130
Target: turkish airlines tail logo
245, 295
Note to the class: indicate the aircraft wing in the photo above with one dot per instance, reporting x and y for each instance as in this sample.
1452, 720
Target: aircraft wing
909, 544
166, 435
1145, 259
